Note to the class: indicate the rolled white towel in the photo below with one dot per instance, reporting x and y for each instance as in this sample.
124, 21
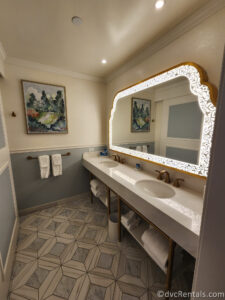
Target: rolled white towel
99, 192
95, 183
44, 164
145, 148
134, 223
128, 217
139, 148
157, 246
96, 193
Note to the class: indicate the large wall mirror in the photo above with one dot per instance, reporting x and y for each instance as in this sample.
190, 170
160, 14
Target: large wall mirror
167, 119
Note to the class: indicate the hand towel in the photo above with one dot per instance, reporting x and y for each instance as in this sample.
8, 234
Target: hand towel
128, 218
95, 183
57, 164
44, 164
139, 148
98, 193
157, 246
145, 148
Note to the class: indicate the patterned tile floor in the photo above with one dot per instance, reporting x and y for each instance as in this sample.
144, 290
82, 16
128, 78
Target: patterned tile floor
64, 252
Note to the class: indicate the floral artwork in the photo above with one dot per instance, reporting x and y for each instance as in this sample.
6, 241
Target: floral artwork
45, 107
140, 115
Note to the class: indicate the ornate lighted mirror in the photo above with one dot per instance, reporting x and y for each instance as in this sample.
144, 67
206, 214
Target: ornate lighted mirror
167, 119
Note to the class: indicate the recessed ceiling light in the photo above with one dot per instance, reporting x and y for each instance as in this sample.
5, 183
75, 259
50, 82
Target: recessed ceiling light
104, 61
76, 20
159, 4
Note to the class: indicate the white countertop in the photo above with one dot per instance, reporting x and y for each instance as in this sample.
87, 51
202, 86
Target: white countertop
179, 217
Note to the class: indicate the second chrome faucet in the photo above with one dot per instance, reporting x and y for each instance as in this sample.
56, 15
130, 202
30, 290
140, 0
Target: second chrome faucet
164, 173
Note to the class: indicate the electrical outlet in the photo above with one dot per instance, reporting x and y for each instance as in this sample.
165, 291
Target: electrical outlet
91, 149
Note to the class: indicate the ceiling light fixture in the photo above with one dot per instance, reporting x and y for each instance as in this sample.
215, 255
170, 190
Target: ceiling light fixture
104, 61
76, 20
159, 4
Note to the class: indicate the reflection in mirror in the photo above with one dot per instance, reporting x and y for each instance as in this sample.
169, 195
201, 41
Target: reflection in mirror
164, 120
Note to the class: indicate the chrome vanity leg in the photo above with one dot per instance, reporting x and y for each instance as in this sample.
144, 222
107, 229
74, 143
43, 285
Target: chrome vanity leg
119, 218
90, 178
108, 201
170, 265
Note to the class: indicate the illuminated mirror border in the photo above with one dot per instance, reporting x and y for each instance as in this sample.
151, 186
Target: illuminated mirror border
206, 97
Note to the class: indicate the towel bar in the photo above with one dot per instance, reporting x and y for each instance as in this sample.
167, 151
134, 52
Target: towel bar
35, 157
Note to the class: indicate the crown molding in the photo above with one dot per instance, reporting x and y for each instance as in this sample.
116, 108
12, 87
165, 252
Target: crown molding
209, 9
2, 52
47, 68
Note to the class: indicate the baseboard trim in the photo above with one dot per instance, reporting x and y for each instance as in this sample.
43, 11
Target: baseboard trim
26, 211
4, 282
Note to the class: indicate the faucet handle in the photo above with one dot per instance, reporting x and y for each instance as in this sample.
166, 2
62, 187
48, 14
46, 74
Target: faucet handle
177, 182
159, 177
114, 155
122, 160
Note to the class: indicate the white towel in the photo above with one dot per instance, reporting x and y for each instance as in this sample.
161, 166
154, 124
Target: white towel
139, 148
157, 246
57, 164
145, 148
98, 193
95, 183
44, 164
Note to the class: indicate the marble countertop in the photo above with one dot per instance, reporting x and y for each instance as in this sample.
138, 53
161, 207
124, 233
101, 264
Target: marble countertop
179, 216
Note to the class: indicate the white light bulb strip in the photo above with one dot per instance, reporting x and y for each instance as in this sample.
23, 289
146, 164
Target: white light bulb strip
206, 106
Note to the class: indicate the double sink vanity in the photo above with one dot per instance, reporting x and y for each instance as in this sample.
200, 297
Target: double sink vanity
166, 120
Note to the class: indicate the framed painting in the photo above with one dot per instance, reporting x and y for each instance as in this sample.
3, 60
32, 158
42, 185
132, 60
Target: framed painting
140, 115
45, 107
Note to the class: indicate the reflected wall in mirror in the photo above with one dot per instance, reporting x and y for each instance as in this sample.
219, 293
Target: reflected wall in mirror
167, 119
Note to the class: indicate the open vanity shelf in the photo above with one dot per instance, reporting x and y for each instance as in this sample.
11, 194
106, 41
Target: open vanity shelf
139, 230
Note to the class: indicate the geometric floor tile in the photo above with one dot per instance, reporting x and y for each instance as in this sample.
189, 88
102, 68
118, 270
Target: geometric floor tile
126, 291
23, 236
34, 222
64, 252
54, 250
99, 219
81, 215
92, 234
70, 230
64, 213
105, 262
50, 212
133, 270
52, 226
66, 284
34, 244
79, 255
96, 287
33, 281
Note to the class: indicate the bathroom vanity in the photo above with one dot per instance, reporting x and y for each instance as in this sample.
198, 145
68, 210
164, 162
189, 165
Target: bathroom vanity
168, 120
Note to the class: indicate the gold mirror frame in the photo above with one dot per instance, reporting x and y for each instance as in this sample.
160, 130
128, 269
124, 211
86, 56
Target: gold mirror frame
206, 94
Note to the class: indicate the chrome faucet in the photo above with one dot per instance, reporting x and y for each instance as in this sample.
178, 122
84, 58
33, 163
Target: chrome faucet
118, 158
177, 182
162, 173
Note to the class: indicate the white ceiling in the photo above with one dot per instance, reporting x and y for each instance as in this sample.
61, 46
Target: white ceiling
41, 30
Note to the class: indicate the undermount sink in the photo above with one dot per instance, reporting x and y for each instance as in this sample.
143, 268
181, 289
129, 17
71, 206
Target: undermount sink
109, 164
155, 189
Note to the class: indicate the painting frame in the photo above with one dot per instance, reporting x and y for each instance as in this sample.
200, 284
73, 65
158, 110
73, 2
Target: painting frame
146, 102
29, 130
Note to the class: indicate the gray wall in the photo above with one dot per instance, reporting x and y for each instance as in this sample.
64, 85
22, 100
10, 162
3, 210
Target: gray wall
7, 213
187, 155
31, 190
185, 121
